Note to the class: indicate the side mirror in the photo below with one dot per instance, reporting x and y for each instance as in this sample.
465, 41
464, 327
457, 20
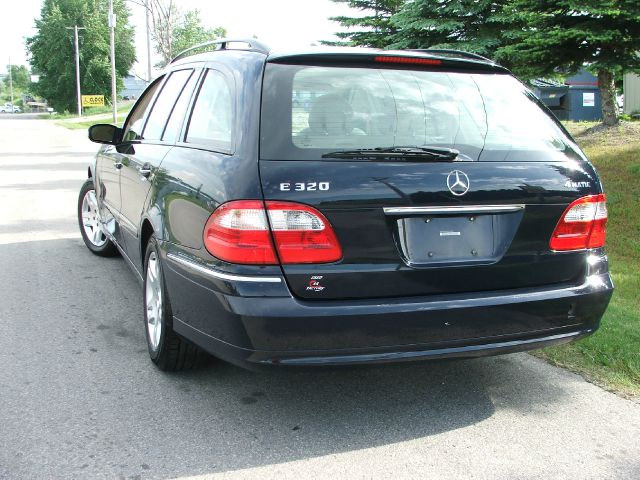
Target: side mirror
103, 133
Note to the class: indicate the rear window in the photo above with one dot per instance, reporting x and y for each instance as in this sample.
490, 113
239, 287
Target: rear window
311, 110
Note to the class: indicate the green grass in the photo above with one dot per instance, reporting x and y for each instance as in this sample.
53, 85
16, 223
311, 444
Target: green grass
85, 124
123, 108
92, 116
611, 357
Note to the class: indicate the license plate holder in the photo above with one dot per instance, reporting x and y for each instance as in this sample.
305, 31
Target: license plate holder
448, 239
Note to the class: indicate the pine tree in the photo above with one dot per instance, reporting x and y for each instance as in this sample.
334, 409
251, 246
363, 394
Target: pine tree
565, 35
374, 28
470, 25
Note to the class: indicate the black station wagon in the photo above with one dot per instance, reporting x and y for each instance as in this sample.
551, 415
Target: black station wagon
347, 206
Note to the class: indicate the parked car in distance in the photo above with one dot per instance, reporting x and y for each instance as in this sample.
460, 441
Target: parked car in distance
347, 206
8, 108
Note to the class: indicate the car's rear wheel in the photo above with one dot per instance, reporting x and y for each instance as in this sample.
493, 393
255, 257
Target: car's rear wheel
167, 350
89, 222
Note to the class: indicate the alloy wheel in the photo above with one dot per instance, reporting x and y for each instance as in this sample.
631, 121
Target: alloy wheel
153, 300
91, 220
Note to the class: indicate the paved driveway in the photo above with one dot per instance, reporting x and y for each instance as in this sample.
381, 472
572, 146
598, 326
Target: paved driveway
80, 399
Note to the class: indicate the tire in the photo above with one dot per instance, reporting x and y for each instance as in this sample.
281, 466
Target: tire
167, 350
89, 223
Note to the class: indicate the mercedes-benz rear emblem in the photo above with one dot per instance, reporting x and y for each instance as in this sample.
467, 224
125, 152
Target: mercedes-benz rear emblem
458, 183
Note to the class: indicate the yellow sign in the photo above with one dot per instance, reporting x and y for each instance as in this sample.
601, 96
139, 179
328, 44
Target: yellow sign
93, 100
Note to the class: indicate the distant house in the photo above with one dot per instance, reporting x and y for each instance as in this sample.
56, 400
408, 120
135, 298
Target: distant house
133, 87
577, 99
631, 90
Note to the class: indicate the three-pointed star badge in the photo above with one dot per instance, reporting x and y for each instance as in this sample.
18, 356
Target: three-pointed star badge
458, 182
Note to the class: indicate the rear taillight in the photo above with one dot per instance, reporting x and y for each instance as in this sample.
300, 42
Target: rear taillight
302, 234
582, 225
238, 232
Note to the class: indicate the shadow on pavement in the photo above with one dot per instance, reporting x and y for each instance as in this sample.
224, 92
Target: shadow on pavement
96, 406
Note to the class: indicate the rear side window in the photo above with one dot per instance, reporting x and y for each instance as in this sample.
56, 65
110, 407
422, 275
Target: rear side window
164, 104
172, 130
311, 110
211, 121
135, 123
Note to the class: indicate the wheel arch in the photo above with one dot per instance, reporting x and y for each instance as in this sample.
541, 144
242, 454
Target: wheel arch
145, 234
151, 225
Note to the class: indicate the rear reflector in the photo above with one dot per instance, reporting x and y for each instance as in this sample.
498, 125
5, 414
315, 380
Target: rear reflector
238, 232
408, 60
582, 225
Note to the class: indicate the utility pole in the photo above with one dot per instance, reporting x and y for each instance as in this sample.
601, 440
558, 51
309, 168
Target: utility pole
112, 29
148, 46
11, 84
146, 4
77, 50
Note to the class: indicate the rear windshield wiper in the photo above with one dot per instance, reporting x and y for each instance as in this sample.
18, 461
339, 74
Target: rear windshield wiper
441, 154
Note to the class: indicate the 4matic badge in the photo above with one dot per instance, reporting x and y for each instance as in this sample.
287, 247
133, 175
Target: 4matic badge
572, 184
314, 284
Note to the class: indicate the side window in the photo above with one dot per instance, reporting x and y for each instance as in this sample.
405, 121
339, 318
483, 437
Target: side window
164, 104
174, 124
212, 117
133, 128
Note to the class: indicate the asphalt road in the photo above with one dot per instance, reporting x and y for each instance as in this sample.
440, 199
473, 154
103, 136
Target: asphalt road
79, 397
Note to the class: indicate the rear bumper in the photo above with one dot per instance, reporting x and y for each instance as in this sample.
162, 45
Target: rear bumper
253, 359
252, 330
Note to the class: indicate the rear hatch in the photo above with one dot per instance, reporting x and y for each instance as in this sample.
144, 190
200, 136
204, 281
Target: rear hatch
437, 176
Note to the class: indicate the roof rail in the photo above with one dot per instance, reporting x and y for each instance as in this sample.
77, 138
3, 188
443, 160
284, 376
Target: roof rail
450, 51
223, 44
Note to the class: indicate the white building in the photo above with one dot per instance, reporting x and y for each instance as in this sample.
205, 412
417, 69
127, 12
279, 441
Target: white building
631, 90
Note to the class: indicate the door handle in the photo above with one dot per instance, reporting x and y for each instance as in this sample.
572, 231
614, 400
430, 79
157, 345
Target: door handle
145, 171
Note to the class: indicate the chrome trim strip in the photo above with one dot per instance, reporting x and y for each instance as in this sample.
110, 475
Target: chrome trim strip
219, 275
452, 209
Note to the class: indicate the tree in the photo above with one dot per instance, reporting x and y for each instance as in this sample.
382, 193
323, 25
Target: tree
172, 31
52, 50
375, 30
565, 35
535, 38
191, 32
19, 77
470, 25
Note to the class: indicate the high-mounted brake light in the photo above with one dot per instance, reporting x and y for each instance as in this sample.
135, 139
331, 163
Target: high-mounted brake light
582, 225
407, 60
238, 232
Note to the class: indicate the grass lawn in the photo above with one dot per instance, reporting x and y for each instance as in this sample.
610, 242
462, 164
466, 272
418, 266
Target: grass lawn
84, 124
91, 116
611, 357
